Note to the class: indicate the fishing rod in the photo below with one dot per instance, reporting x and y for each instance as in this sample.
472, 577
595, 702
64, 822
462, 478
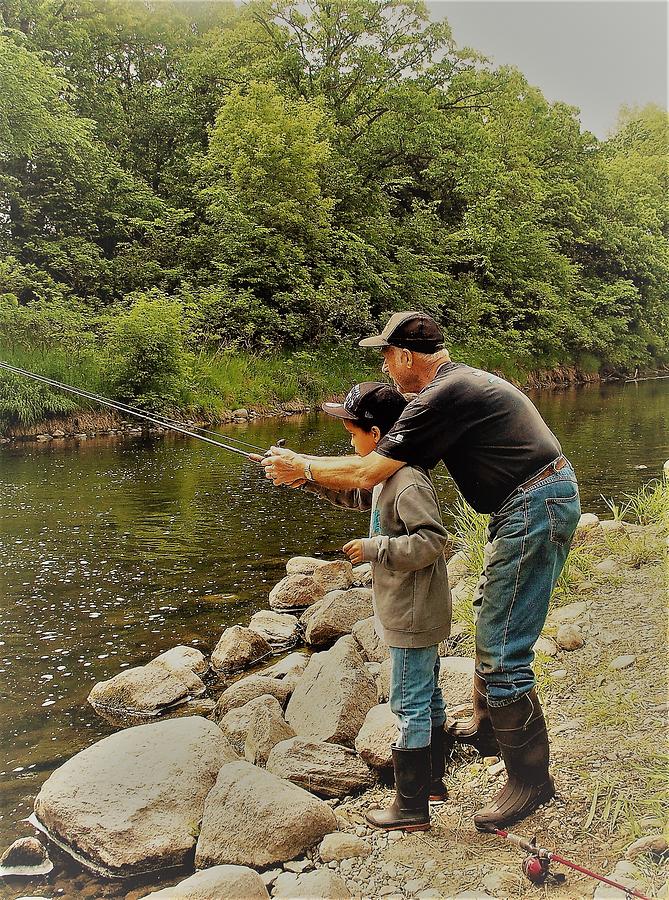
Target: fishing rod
162, 421
536, 865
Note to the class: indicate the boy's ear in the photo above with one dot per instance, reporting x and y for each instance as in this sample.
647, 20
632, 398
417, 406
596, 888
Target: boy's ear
376, 433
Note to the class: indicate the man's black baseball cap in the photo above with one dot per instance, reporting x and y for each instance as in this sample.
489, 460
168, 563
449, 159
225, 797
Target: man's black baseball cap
412, 330
368, 403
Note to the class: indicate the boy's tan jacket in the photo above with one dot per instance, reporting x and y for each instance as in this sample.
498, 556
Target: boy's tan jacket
411, 593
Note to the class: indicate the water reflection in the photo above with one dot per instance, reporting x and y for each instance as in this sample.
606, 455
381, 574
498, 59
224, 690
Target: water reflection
112, 551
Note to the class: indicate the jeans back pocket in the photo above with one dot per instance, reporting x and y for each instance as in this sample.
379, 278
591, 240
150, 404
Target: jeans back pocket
563, 514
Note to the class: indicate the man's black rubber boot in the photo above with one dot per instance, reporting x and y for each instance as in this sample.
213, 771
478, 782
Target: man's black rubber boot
410, 810
521, 731
477, 730
438, 792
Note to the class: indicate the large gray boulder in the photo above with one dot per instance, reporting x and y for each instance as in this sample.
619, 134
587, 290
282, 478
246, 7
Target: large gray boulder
375, 738
290, 667
295, 592
456, 679
249, 688
335, 615
239, 648
332, 698
132, 802
280, 630
334, 576
303, 565
146, 690
323, 768
371, 644
231, 882
252, 817
267, 728
184, 658
240, 722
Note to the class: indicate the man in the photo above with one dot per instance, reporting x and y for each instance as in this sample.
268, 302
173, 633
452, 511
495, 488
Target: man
506, 462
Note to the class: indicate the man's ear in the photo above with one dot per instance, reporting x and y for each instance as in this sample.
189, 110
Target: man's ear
408, 357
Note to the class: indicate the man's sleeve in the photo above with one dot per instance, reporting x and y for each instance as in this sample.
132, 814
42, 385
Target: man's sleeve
419, 437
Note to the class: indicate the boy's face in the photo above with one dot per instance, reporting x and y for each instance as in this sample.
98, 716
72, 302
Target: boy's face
363, 442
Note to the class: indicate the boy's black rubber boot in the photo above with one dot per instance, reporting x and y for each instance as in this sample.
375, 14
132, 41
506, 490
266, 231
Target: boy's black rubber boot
523, 739
438, 792
477, 730
410, 809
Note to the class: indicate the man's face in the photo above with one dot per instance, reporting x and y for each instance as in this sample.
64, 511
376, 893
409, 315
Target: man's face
397, 364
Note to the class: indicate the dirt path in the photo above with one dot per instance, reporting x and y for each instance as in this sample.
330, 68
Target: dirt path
608, 730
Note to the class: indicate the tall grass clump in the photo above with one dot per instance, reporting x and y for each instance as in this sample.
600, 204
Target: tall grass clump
25, 402
471, 534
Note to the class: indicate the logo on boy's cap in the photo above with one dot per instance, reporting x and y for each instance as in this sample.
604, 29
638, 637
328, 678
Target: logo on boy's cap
366, 400
352, 403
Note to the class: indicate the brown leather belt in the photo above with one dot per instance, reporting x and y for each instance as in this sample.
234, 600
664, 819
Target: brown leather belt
551, 469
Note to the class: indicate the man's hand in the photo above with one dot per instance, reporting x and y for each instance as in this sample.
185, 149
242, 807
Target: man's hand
353, 549
283, 466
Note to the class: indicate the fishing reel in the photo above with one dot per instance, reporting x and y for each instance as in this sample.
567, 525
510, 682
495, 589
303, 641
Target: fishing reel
536, 866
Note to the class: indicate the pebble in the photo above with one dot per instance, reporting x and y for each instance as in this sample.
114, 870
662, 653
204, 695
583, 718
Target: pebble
394, 836
546, 646
570, 612
414, 885
607, 566
497, 768
490, 760
559, 674
622, 662
570, 637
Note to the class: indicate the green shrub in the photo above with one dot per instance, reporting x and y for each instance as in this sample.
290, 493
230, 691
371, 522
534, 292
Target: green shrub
148, 361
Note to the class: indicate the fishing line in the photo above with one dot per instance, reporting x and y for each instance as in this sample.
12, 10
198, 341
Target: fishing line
130, 410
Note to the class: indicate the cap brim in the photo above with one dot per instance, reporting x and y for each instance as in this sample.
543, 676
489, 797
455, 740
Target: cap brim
376, 342
338, 410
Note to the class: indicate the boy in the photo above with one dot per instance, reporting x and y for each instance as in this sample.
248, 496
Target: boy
411, 597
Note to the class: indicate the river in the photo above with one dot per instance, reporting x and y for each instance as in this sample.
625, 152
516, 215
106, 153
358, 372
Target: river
113, 550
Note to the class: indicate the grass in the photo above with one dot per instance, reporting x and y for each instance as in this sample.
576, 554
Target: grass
649, 506
216, 382
623, 799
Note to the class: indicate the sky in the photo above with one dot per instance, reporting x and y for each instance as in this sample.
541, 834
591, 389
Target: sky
593, 54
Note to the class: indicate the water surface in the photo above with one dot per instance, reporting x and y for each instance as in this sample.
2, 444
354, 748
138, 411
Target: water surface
113, 550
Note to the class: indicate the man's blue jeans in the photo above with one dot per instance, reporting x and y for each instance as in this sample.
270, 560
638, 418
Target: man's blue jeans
415, 695
528, 542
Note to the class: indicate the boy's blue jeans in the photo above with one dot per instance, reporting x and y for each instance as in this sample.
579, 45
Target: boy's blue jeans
528, 543
415, 695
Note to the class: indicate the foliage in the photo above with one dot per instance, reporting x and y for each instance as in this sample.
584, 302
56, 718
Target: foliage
149, 363
285, 175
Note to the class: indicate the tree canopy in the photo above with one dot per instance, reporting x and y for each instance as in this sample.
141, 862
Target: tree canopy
285, 173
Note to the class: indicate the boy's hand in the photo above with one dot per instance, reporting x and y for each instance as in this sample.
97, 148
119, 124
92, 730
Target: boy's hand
353, 549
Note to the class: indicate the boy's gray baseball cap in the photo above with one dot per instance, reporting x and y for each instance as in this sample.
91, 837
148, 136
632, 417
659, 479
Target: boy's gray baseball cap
364, 402
412, 330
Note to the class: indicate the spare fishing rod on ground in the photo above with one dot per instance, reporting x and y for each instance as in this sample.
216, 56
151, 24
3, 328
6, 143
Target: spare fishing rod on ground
156, 419
536, 865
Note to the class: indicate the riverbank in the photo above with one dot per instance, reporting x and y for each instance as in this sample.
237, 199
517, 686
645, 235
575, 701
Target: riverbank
224, 388
606, 707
